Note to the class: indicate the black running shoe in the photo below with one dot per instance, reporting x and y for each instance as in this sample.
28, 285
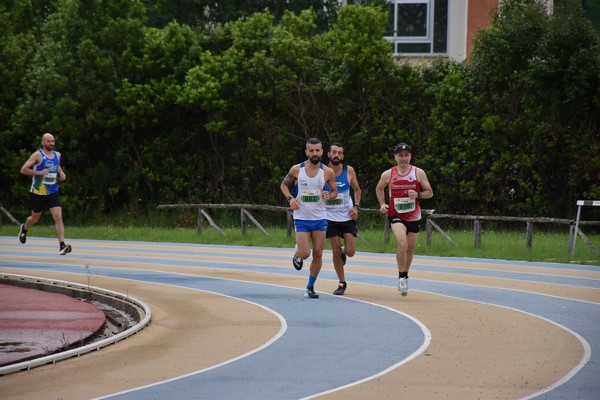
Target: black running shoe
297, 262
343, 258
310, 293
65, 249
22, 234
341, 289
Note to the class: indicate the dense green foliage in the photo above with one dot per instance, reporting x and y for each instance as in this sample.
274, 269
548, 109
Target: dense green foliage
156, 102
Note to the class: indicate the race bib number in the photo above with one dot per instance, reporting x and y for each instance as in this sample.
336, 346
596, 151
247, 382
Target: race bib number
310, 196
404, 205
49, 179
335, 203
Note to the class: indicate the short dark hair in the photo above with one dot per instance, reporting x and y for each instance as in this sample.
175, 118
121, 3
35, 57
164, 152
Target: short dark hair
313, 141
338, 144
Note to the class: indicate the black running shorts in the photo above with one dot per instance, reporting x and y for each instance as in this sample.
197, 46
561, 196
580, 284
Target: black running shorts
335, 228
40, 203
411, 226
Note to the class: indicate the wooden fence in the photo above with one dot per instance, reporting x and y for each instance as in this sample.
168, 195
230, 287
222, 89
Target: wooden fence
245, 215
8, 214
529, 221
429, 216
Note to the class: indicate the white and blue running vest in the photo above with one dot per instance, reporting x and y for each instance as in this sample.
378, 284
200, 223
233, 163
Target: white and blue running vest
338, 209
308, 192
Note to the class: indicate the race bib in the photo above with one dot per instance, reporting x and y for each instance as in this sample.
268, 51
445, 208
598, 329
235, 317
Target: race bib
404, 205
335, 203
49, 179
310, 196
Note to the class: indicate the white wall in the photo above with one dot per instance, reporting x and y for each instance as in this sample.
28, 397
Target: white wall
457, 29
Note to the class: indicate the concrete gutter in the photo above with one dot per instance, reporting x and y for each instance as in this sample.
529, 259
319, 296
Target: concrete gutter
138, 309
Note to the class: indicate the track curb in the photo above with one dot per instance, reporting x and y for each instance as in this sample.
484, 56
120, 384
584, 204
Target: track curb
140, 311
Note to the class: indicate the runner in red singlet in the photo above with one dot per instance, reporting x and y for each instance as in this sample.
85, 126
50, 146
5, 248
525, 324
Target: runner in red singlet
407, 185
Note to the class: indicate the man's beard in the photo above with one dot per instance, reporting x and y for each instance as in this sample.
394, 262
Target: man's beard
315, 159
336, 161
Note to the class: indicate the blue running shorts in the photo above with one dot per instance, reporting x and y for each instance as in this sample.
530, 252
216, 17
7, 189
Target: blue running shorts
305, 225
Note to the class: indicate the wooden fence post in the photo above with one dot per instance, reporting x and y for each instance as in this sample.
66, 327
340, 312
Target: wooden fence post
9, 215
477, 232
440, 230
529, 240
211, 222
386, 230
243, 221
246, 213
572, 235
200, 221
428, 230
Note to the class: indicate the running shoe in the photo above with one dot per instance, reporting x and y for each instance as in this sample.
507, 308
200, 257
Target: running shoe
341, 289
310, 293
22, 234
65, 249
297, 262
403, 286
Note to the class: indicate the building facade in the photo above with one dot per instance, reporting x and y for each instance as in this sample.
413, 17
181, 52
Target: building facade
429, 29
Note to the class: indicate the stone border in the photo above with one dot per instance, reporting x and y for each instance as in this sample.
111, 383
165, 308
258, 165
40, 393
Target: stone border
140, 310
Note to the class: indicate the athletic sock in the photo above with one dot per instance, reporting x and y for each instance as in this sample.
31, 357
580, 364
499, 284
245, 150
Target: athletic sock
311, 281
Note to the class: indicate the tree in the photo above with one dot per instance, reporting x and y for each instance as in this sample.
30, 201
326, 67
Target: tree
218, 112
68, 89
536, 78
207, 14
17, 48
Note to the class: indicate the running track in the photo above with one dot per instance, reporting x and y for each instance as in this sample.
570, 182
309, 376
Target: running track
470, 328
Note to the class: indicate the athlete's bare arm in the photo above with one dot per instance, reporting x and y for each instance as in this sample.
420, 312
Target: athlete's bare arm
379, 191
426, 190
330, 178
34, 159
352, 178
288, 183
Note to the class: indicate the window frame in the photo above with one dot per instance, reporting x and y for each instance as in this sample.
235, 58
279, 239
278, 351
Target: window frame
427, 40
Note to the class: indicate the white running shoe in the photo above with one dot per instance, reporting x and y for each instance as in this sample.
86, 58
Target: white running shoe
403, 286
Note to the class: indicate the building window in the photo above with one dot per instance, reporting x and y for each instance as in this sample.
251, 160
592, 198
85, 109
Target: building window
418, 26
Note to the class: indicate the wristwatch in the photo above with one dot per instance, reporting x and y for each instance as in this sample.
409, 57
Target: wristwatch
289, 197
357, 206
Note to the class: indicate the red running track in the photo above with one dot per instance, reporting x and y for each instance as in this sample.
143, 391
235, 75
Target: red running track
34, 323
